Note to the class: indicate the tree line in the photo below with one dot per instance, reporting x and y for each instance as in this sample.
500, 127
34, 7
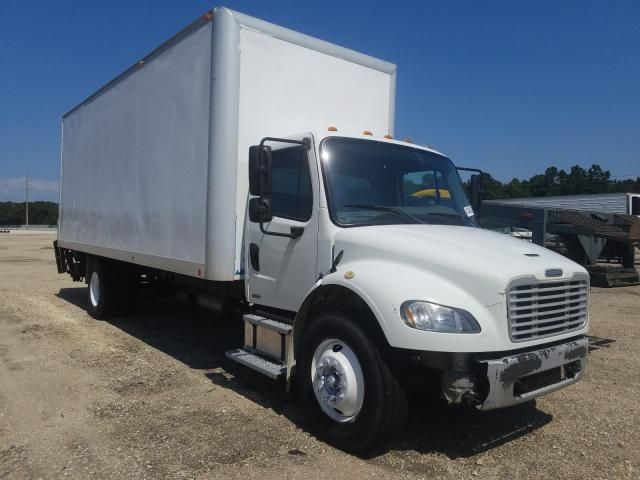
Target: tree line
553, 182
40, 213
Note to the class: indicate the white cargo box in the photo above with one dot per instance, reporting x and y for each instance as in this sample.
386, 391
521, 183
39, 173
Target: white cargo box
154, 164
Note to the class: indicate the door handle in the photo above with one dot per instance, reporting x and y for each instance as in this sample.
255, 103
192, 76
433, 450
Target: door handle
296, 232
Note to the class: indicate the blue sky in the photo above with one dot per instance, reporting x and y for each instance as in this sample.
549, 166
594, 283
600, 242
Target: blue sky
509, 87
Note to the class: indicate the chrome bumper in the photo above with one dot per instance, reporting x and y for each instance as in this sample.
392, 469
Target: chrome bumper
518, 378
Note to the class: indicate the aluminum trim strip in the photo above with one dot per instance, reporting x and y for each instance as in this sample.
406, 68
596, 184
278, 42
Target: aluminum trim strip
169, 264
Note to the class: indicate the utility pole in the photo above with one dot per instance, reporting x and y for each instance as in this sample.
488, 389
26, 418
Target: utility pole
27, 203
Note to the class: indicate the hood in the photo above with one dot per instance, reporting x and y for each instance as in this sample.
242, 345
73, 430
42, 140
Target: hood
469, 257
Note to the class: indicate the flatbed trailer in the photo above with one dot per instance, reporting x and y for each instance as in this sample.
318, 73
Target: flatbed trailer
622, 203
586, 236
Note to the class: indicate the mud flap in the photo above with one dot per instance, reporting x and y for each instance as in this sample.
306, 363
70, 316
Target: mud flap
59, 260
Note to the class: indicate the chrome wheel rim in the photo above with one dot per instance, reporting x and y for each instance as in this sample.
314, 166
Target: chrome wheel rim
337, 379
94, 289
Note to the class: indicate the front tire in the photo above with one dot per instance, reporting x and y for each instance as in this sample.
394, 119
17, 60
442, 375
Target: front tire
355, 399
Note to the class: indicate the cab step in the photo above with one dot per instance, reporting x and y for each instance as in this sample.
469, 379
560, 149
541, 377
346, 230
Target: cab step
251, 358
268, 346
269, 323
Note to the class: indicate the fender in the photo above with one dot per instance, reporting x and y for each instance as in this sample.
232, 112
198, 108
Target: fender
360, 280
383, 286
333, 294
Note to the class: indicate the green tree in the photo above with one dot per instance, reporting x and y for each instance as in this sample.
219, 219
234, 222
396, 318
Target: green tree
558, 182
40, 213
597, 180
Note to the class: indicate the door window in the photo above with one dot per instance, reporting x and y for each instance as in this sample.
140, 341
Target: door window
291, 184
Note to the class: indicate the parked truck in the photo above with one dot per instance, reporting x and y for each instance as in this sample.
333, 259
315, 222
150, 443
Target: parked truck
254, 169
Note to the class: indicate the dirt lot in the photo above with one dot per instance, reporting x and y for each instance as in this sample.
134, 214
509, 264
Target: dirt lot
152, 396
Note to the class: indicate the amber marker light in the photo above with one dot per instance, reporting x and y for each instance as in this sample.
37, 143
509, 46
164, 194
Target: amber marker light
388, 137
407, 140
367, 132
332, 129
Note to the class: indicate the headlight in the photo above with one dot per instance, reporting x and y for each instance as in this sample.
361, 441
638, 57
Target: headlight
437, 318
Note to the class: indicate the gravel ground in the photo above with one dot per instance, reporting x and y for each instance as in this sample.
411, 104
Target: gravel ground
152, 396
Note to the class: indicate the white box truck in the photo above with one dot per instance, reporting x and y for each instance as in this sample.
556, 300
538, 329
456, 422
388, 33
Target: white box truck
254, 169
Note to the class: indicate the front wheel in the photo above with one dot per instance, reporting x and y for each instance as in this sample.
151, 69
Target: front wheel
337, 380
355, 399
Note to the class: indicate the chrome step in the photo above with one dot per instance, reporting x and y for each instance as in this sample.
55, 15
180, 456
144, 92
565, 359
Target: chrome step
269, 323
251, 358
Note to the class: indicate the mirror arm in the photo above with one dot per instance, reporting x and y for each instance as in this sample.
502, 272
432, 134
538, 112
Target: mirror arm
305, 142
296, 232
469, 169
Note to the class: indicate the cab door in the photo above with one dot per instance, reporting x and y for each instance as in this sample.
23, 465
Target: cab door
282, 270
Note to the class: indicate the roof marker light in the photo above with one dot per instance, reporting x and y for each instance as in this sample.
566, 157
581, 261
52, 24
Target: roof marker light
332, 129
407, 140
208, 16
367, 132
388, 137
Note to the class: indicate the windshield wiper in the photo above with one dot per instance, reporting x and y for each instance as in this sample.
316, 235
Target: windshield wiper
443, 214
460, 219
382, 208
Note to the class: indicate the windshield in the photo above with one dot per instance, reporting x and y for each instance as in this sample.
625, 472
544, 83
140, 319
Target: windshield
379, 183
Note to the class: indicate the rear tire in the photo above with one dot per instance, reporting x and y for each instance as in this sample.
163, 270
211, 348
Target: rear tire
355, 400
102, 290
192, 298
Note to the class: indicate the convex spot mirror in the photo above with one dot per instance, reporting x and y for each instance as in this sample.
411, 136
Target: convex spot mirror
260, 170
260, 210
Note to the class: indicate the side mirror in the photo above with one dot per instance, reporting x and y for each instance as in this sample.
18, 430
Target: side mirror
260, 210
260, 170
476, 192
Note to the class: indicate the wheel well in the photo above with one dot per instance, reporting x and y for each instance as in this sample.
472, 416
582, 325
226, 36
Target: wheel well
338, 298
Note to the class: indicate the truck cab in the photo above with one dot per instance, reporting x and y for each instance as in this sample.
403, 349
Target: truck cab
379, 234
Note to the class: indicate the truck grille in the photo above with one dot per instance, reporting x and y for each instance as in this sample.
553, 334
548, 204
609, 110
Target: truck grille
538, 310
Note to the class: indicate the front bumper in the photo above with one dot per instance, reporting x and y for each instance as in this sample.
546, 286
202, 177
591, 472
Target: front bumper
517, 378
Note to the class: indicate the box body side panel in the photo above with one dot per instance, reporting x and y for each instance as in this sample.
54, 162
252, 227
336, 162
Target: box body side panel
135, 161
